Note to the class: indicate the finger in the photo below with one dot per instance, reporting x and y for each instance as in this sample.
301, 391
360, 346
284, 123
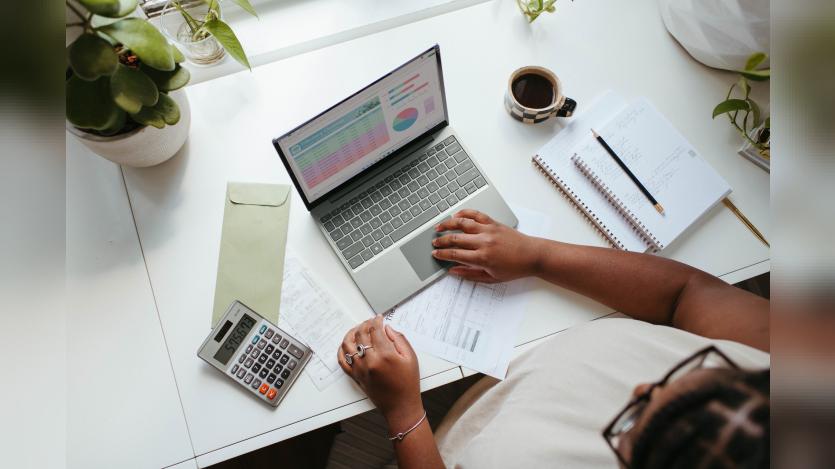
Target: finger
480, 217
340, 358
473, 273
379, 337
363, 334
457, 240
461, 256
460, 224
349, 344
401, 344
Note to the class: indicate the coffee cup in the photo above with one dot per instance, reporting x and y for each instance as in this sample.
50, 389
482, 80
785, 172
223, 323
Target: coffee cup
534, 94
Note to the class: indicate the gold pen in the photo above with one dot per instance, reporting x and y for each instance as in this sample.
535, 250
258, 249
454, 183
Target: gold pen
744, 220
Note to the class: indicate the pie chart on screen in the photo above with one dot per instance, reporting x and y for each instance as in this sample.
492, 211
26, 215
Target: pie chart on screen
405, 119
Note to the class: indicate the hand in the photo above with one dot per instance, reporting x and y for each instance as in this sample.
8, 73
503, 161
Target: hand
388, 373
488, 251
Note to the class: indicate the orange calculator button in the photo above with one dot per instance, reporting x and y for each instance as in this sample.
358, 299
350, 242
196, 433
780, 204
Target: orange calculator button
271, 394
264, 388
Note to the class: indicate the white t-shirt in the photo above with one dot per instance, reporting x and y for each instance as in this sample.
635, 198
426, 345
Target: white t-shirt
557, 398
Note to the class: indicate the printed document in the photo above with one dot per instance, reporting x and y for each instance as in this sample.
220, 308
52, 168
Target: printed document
472, 324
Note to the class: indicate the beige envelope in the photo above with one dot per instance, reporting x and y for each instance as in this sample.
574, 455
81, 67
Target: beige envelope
251, 263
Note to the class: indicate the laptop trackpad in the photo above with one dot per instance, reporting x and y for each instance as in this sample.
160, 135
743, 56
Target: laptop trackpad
418, 252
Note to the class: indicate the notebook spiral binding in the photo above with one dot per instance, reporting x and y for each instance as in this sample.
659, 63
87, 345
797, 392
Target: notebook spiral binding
637, 225
591, 217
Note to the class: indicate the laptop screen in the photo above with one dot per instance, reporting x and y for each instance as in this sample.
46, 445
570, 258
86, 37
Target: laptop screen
333, 147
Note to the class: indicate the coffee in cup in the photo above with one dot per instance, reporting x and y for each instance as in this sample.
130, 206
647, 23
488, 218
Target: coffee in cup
534, 94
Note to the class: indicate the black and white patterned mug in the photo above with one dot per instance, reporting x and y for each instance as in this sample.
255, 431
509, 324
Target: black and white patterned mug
534, 94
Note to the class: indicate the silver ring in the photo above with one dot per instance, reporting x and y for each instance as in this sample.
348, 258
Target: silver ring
349, 358
362, 348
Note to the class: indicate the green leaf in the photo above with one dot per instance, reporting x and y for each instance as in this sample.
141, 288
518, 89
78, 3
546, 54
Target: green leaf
91, 57
755, 59
226, 37
118, 125
89, 105
131, 89
755, 109
149, 116
109, 8
144, 40
730, 105
756, 75
168, 81
168, 109
178, 56
246, 6
768, 122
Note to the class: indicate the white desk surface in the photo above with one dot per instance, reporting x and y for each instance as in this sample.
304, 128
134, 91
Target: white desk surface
122, 399
591, 46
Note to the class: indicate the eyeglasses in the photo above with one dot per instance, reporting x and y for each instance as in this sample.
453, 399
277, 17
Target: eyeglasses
709, 357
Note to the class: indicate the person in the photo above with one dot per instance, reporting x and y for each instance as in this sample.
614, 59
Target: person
561, 404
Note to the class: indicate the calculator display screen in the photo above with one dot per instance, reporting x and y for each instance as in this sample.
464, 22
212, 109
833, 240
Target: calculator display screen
235, 339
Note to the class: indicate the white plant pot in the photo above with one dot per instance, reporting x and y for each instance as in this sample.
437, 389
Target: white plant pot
719, 33
145, 146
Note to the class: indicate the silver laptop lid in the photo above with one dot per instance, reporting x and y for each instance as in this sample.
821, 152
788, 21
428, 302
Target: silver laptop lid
353, 136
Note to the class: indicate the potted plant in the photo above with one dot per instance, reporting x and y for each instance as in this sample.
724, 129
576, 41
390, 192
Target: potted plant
123, 85
745, 115
197, 27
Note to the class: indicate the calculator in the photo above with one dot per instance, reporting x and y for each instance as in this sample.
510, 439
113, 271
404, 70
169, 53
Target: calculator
256, 354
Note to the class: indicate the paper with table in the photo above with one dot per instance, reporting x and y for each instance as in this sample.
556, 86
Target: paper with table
312, 315
252, 244
468, 323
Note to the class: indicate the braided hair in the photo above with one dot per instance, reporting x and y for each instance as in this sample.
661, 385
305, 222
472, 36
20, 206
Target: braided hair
724, 424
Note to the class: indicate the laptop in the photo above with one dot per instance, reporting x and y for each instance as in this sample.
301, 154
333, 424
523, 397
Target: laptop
378, 170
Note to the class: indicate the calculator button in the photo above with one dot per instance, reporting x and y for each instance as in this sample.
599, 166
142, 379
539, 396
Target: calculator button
278, 383
248, 348
255, 339
271, 378
263, 329
261, 344
256, 368
269, 349
270, 363
295, 351
254, 353
241, 373
262, 358
269, 333
292, 364
276, 339
284, 359
235, 369
242, 358
278, 369
285, 374
264, 373
277, 355
248, 378
284, 343
249, 362
256, 384
264, 388
271, 394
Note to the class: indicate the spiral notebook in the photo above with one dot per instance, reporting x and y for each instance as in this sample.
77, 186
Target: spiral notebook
654, 150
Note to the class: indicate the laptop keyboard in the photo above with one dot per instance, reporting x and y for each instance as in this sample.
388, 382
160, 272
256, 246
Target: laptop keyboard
381, 215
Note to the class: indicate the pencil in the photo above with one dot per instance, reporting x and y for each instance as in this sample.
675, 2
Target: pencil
628, 172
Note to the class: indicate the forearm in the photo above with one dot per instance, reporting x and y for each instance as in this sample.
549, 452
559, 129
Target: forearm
642, 286
417, 450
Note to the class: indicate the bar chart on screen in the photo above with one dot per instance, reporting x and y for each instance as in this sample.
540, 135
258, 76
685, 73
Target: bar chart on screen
341, 143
